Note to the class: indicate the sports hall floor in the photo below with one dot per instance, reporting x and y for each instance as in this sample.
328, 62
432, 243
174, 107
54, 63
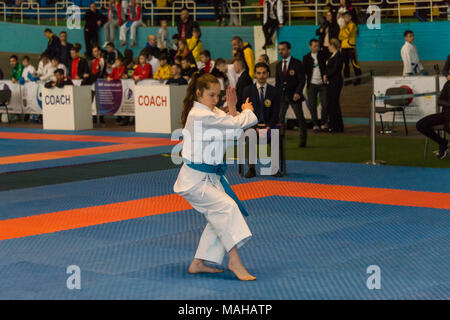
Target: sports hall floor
103, 201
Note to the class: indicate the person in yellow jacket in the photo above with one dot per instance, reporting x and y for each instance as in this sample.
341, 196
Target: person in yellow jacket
164, 71
243, 50
347, 35
195, 45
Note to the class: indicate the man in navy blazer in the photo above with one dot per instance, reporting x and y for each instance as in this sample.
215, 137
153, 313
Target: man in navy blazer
266, 103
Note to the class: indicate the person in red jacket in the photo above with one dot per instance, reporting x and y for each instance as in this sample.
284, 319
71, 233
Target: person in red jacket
143, 70
114, 20
134, 22
118, 72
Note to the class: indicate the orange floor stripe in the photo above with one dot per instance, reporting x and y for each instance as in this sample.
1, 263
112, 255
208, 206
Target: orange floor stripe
84, 217
122, 143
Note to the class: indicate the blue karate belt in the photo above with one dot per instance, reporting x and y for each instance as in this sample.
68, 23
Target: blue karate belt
220, 170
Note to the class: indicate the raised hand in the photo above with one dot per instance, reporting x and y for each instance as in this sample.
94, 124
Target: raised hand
247, 105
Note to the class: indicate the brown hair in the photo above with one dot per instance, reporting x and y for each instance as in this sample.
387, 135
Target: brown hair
198, 82
335, 43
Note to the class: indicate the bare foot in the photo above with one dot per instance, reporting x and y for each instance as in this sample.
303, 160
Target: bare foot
240, 272
123, 43
132, 44
198, 266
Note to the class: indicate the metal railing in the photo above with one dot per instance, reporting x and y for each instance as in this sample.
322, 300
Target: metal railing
292, 9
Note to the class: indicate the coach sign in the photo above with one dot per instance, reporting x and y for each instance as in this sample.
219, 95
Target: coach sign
158, 107
67, 108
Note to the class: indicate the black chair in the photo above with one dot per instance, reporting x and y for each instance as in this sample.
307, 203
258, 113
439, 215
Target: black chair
394, 105
5, 97
282, 151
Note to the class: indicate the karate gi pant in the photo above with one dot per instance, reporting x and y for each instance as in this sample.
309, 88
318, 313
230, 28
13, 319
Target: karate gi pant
109, 30
124, 30
226, 226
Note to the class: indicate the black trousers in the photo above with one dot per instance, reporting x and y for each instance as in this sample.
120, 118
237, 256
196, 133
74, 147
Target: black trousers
315, 90
269, 29
90, 39
349, 55
336, 123
298, 110
426, 124
220, 9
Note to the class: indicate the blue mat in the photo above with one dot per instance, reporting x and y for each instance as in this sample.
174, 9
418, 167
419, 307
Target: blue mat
301, 248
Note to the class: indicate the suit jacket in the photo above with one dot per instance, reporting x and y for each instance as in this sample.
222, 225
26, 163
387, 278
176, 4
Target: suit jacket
244, 81
293, 81
190, 24
334, 68
83, 68
333, 31
53, 47
308, 63
268, 110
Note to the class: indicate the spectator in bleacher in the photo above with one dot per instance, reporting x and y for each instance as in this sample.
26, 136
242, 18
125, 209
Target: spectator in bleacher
134, 14
17, 68
220, 11
195, 45
264, 58
410, 56
64, 53
426, 124
78, 69
290, 80
93, 20
347, 35
163, 14
56, 64
186, 24
111, 56
164, 71
243, 80
272, 20
266, 103
152, 45
316, 79
143, 70
184, 52
422, 13
345, 6
114, 20
328, 30
206, 64
163, 37
154, 62
59, 80
234, 12
98, 67
176, 76
187, 69
243, 50
335, 83
446, 66
28, 69
124, 5
128, 62
44, 64
54, 44
118, 72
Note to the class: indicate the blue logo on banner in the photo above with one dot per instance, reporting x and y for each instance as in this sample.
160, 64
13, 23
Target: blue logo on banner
39, 96
128, 94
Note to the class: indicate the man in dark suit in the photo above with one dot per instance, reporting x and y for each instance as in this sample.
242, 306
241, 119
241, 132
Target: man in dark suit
266, 103
290, 80
243, 81
316, 79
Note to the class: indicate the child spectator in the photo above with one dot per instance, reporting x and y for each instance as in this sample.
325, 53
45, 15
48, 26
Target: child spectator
176, 76
114, 19
128, 62
205, 65
143, 70
111, 55
55, 64
134, 21
186, 69
118, 72
195, 45
164, 71
410, 56
163, 36
28, 69
17, 68
44, 64
264, 58
184, 52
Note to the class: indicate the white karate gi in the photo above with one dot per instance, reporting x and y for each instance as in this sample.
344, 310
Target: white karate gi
226, 226
28, 70
410, 57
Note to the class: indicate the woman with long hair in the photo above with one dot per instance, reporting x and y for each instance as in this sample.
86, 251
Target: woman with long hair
184, 52
201, 179
335, 83
328, 30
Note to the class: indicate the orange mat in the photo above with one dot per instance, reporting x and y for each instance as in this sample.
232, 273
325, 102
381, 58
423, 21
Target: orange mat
84, 217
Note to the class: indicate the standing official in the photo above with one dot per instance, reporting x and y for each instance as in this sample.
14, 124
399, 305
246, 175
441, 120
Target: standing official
290, 79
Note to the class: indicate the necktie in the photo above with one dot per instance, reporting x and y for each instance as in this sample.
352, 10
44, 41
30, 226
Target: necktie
284, 67
261, 94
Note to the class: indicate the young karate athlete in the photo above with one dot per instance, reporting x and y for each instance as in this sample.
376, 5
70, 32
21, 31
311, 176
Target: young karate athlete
201, 181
